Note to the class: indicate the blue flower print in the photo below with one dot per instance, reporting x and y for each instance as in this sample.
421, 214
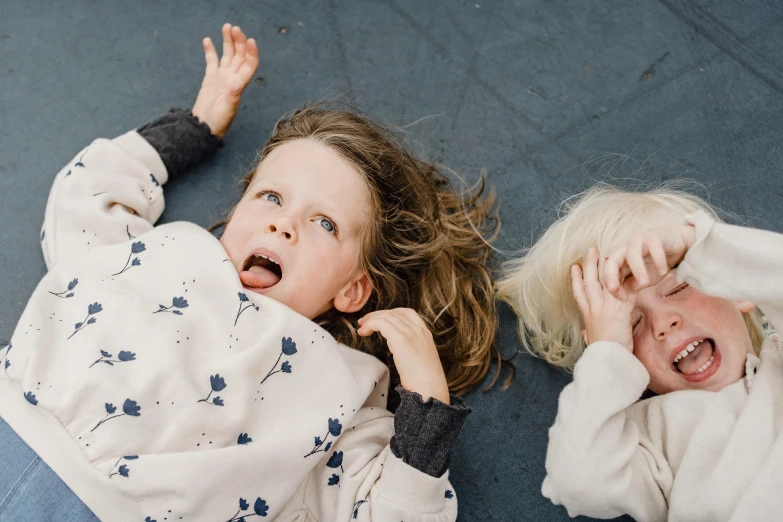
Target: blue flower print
356, 508
123, 470
336, 460
335, 428
177, 302
67, 291
136, 248
91, 311
106, 357
30, 396
243, 298
449, 494
289, 348
154, 180
79, 163
260, 508
131, 237
244, 439
7, 349
150, 519
334, 480
217, 383
129, 407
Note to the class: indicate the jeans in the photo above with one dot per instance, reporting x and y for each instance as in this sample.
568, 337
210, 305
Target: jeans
30, 490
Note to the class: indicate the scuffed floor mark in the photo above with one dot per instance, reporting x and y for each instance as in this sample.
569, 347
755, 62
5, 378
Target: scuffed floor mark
650, 71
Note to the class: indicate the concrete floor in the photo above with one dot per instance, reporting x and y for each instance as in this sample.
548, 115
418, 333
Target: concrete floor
548, 96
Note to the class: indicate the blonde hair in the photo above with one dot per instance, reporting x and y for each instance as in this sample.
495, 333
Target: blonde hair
538, 285
427, 247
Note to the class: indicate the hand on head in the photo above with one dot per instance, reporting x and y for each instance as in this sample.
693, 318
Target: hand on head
225, 79
644, 260
641, 262
415, 355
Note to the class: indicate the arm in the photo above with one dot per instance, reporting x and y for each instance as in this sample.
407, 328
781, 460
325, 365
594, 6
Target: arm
736, 263
111, 191
597, 462
362, 477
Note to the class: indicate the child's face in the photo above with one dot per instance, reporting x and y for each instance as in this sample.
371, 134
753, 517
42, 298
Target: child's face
296, 235
669, 317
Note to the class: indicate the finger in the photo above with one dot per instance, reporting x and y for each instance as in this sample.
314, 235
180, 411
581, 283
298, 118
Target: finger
658, 255
210, 54
251, 58
411, 317
590, 275
578, 288
228, 46
613, 267
637, 250
390, 331
239, 47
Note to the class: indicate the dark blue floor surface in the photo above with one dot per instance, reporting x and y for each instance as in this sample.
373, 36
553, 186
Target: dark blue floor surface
548, 96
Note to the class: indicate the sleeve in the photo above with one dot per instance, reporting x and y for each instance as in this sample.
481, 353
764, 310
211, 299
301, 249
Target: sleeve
361, 478
736, 263
180, 139
109, 193
597, 463
425, 432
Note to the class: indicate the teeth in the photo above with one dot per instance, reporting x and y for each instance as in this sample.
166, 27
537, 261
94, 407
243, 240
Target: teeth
706, 365
688, 349
265, 257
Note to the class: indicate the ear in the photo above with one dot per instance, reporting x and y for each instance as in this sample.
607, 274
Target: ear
746, 306
354, 295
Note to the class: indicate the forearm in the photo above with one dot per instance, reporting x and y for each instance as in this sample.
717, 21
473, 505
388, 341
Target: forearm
425, 432
595, 464
736, 263
109, 192
182, 141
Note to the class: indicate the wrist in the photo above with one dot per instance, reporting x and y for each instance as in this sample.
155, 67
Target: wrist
688, 235
440, 393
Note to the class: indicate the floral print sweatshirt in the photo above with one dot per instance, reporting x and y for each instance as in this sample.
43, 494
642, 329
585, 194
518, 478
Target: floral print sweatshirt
158, 389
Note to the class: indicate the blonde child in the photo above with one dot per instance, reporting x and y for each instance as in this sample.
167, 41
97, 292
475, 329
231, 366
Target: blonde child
651, 291
160, 374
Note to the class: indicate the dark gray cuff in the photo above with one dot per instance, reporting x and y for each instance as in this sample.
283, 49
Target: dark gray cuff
425, 432
180, 139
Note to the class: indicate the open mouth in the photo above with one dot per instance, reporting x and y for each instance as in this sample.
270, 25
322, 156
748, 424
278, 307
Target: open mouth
260, 272
698, 360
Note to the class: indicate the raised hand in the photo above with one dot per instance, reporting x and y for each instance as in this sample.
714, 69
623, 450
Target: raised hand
413, 348
606, 317
646, 259
225, 79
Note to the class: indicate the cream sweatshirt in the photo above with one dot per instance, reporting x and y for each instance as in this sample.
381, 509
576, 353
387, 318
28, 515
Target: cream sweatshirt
687, 455
158, 389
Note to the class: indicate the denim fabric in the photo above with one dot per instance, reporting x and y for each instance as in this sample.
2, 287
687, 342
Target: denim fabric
30, 490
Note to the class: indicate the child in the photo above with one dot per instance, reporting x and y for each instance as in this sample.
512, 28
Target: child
207, 380
662, 295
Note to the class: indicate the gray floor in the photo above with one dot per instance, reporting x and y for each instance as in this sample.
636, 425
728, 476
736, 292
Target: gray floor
548, 96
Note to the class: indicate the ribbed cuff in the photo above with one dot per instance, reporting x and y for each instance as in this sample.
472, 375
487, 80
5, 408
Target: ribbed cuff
425, 432
180, 139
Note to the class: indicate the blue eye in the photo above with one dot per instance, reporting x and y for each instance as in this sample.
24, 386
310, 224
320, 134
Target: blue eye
271, 196
327, 225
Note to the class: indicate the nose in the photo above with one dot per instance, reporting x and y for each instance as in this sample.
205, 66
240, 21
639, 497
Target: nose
664, 321
285, 227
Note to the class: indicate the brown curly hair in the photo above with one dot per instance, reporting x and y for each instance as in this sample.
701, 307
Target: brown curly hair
426, 248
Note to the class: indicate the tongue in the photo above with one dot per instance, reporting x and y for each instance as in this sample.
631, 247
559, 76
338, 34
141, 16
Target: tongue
695, 359
259, 277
